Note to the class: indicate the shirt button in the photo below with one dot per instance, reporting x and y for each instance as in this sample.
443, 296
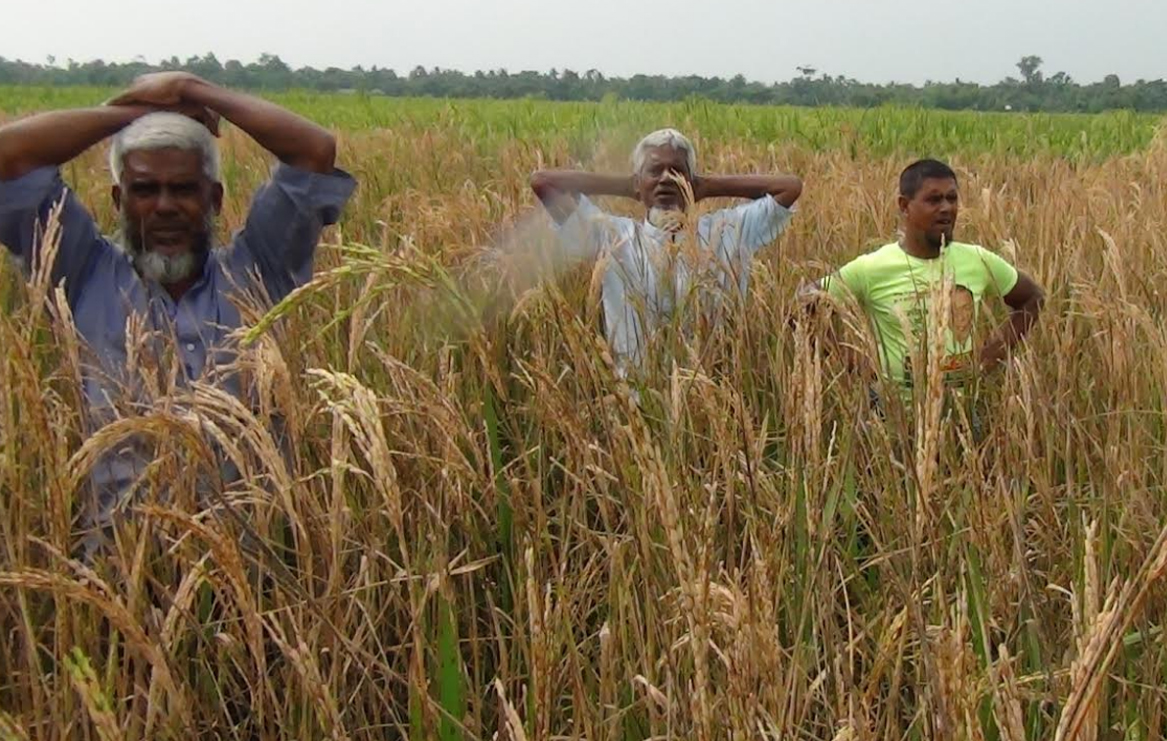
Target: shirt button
190, 347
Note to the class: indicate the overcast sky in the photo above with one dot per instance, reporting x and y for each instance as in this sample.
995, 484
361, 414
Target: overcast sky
870, 40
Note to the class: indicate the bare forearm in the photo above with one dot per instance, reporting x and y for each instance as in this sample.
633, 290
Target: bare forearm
582, 183
1009, 334
558, 190
293, 139
783, 188
53, 138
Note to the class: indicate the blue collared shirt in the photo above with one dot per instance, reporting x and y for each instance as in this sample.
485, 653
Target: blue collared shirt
276, 244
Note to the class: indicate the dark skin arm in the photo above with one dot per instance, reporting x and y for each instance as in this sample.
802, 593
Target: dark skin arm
815, 306
781, 187
1025, 302
293, 139
557, 189
51, 139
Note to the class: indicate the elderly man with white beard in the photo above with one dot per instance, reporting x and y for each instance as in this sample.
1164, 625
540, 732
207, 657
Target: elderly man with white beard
648, 274
162, 269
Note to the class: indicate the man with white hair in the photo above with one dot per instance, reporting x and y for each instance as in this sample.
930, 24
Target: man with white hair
649, 271
162, 268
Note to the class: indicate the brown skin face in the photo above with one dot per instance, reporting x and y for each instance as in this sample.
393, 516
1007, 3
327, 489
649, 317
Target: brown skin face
165, 199
930, 216
652, 184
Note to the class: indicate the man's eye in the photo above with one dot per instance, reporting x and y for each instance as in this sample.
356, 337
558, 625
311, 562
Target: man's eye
144, 189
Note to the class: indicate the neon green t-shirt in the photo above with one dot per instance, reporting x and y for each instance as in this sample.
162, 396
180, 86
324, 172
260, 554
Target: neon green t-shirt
889, 284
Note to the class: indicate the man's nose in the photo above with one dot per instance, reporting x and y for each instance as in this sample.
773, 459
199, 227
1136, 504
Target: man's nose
166, 201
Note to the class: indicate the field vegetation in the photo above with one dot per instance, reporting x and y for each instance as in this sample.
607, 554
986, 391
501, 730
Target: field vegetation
478, 531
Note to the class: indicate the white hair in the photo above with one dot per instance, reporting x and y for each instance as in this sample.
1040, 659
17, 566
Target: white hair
164, 130
664, 138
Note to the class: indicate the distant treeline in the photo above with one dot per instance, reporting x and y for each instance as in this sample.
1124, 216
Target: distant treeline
1032, 90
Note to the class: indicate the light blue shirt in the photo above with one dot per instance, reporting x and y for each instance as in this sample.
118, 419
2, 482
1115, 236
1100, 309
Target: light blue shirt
643, 286
277, 244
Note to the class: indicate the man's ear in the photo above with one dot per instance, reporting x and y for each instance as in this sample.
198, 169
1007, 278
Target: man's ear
217, 197
903, 201
115, 192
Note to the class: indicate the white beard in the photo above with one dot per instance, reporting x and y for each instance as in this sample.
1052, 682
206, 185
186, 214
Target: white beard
666, 219
166, 269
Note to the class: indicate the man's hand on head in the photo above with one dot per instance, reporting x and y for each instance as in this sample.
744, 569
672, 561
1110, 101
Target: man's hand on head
161, 89
697, 183
202, 114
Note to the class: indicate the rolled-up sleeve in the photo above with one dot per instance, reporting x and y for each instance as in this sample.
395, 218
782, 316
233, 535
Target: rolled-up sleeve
26, 206
283, 226
586, 232
759, 223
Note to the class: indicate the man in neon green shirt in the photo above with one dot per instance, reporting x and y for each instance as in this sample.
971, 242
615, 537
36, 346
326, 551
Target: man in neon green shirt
895, 284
